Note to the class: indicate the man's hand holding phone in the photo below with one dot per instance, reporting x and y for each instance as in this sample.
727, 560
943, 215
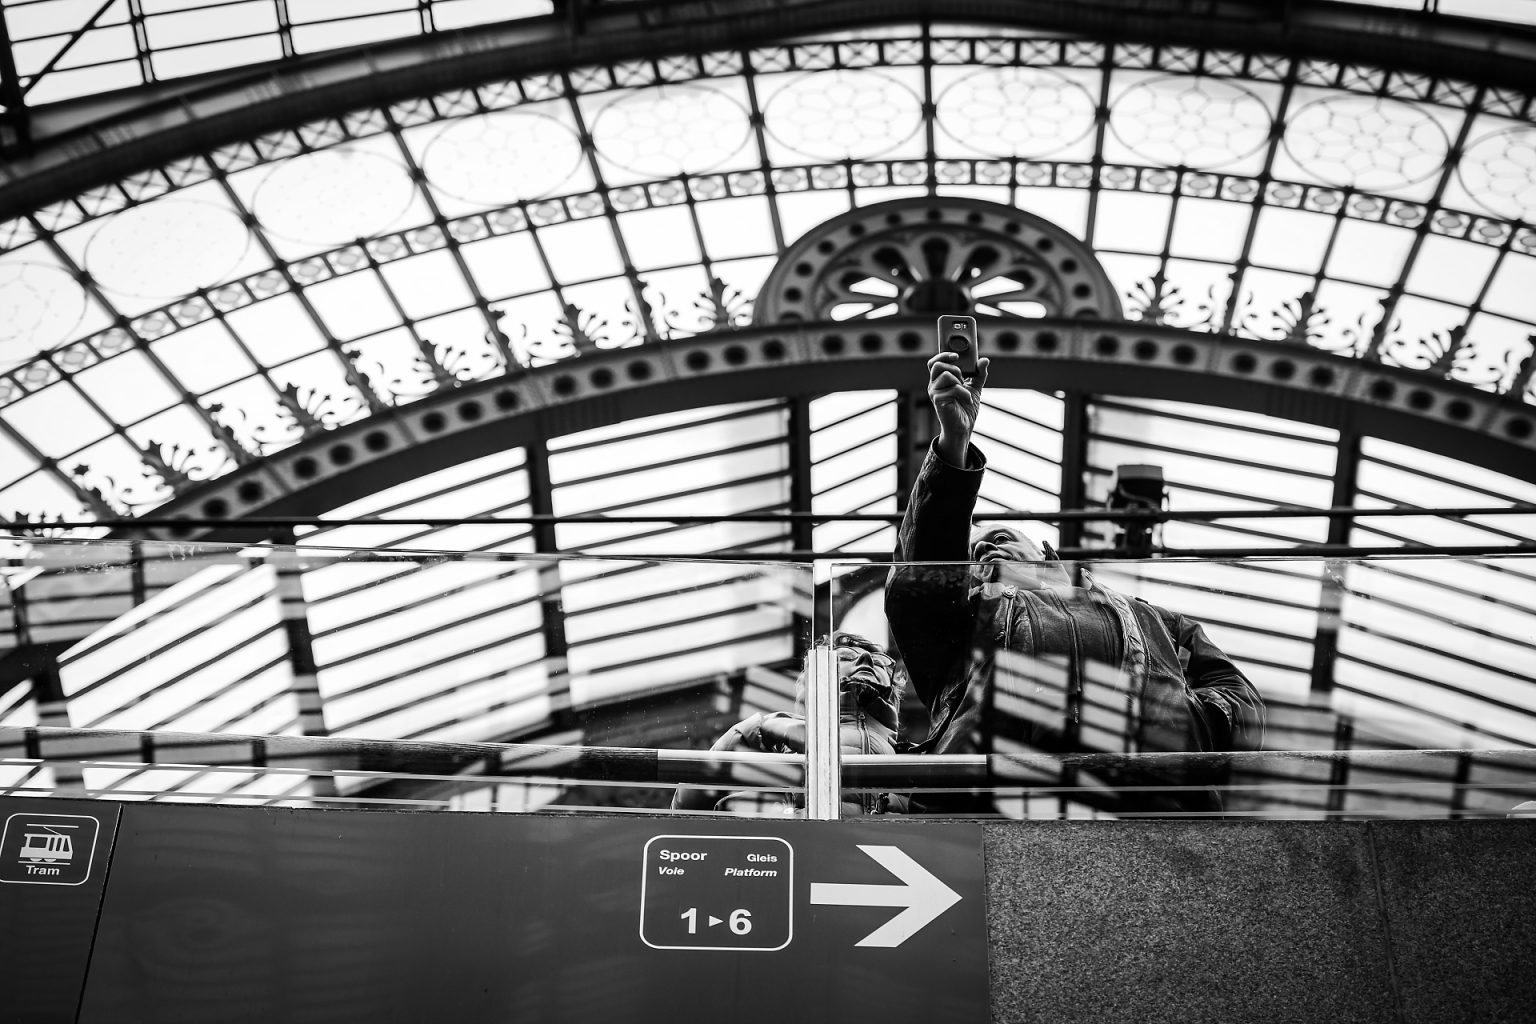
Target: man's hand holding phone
955, 383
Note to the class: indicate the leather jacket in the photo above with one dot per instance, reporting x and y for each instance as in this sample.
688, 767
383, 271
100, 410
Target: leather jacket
1065, 669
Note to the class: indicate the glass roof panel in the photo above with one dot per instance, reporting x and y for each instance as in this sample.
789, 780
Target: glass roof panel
853, 468
1197, 122
1021, 437
1031, 112
136, 675
1215, 459
705, 462
1518, 11
675, 128
1408, 661
1208, 249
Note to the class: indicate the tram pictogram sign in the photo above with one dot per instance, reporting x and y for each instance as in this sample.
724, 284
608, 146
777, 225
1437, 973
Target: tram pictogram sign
48, 849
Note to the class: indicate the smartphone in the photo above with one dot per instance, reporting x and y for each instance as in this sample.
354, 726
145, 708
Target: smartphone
957, 334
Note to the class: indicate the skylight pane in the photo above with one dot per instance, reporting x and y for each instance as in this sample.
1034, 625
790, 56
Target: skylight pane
353, 306
1451, 270
674, 128
1265, 615
101, 45
434, 640
825, 116
1188, 120
207, 654
1402, 475
203, 357
735, 227
39, 494
276, 329
853, 466
1370, 253
506, 265
799, 212
31, 20
451, 14
306, 11
209, 24
56, 421
14, 461
1020, 434
581, 250
1513, 291
1210, 229
427, 284
662, 237
1521, 12
667, 464
59, 85
1291, 239
1132, 221
127, 387
217, 56
483, 161
1067, 208
738, 616
1440, 656
1215, 459
355, 31
17, 711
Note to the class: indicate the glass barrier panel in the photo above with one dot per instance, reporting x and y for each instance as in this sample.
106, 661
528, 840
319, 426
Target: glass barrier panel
142, 670
1384, 687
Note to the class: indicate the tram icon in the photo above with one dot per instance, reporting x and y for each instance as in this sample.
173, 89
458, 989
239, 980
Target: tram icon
48, 849
50, 846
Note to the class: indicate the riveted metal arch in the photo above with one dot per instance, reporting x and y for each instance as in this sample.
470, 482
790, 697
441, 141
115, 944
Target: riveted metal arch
96, 141
1284, 380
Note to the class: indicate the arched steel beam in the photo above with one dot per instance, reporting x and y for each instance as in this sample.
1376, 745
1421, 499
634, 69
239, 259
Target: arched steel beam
1120, 358
102, 139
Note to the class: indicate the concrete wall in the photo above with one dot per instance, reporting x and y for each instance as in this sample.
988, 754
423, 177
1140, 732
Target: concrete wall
1396, 921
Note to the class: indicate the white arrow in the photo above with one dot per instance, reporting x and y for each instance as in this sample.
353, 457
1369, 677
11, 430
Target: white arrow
923, 896
713, 920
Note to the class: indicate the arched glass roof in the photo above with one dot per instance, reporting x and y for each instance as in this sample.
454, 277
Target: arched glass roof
170, 325
535, 297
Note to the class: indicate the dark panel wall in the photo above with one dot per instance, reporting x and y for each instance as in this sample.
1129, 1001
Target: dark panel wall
1263, 921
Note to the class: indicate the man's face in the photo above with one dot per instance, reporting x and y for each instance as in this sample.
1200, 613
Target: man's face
999, 549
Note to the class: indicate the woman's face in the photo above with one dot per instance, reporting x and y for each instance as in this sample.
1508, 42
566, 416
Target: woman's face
1003, 554
859, 661
862, 660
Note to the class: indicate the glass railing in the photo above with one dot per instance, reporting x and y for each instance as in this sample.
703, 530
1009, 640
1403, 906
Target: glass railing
1397, 686
425, 679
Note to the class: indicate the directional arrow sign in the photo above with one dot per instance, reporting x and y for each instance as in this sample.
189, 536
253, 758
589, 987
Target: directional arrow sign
922, 895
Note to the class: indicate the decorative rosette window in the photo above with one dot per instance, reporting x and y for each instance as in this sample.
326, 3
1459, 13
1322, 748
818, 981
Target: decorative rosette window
936, 255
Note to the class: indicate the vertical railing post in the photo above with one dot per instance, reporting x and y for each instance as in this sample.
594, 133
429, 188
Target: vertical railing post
823, 755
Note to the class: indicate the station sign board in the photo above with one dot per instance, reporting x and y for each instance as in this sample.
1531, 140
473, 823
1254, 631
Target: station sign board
222, 912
